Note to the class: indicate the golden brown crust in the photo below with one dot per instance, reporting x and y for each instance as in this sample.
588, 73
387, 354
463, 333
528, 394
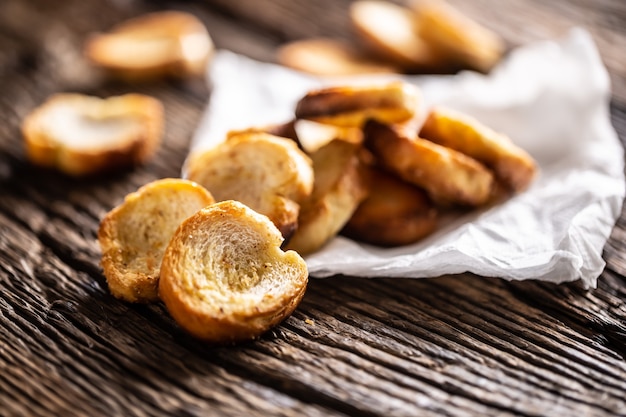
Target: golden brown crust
49, 129
513, 166
153, 45
394, 213
392, 31
267, 173
224, 278
324, 56
446, 174
134, 235
457, 37
351, 106
338, 190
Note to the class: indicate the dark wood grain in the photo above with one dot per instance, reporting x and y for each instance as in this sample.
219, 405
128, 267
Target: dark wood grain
453, 345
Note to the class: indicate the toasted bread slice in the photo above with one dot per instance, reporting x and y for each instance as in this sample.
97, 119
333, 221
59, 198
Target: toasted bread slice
391, 31
267, 173
329, 57
351, 106
224, 277
456, 36
513, 166
133, 236
169, 43
394, 213
83, 135
447, 175
338, 190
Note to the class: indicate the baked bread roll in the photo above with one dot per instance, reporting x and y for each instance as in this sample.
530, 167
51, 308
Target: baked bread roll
168, 43
134, 235
267, 173
351, 106
83, 135
447, 175
512, 165
224, 277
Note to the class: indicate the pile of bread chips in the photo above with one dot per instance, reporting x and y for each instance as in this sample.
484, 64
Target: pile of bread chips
223, 248
379, 174
423, 36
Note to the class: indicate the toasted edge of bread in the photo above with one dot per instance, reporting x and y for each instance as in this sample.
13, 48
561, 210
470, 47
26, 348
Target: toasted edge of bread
351, 106
48, 147
133, 236
224, 278
512, 165
338, 190
447, 175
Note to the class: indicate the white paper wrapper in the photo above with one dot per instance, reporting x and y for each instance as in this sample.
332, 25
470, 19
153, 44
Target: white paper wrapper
551, 98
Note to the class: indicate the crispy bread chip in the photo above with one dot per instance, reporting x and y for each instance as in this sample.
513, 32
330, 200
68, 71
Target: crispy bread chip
83, 135
351, 106
323, 56
391, 31
169, 43
338, 190
394, 213
456, 36
133, 236
513, 166
224, 277
267, 173
447, 175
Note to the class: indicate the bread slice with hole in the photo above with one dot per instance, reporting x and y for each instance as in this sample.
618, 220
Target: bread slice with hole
224, 277
134, 235
85, 135
269, 174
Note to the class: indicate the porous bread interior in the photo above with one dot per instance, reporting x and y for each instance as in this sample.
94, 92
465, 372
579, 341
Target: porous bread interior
146, 224
236, 265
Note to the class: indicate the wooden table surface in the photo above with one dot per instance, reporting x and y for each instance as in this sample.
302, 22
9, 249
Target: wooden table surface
454, 345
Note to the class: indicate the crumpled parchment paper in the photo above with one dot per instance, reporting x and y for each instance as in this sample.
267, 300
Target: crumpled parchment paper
550, 97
